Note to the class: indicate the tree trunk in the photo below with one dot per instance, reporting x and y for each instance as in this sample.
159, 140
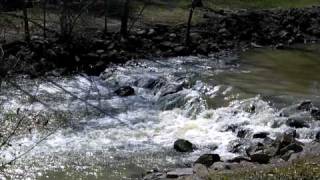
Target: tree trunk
64, 20
187, 40
105, 16
195, 3
125, 18
26, 22
44, 18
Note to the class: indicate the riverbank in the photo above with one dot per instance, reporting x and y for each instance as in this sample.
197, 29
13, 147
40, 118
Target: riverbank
222, 31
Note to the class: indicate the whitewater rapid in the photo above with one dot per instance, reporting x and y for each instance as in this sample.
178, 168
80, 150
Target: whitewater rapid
174, 98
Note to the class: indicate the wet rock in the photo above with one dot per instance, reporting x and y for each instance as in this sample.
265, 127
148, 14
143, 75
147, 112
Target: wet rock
242, 133
295, 147
318, 136
125, 91
315, 113
232, 128
238, 159
208, 159
182, 145
180, 172
149, 83
292, 132
252, 108
287, 142
212, 147
305, 106
238, 146
297, 123
287, 155
171, 89
255, 147
260, 157
260, 135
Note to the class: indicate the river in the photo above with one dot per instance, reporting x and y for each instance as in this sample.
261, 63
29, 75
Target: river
104, 136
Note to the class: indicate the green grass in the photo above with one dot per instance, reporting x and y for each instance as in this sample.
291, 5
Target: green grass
308, 168
262, 4
176, 11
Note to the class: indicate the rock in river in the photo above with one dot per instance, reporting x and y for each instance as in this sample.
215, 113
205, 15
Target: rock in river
125, 91
182, 145
261, 135
208, 159
305, 106
297, 123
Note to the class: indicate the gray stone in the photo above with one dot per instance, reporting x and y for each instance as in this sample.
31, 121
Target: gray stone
201, 170
260, 135
260, 157
125, 91
182, 145
297, 123
208, 159
180, 172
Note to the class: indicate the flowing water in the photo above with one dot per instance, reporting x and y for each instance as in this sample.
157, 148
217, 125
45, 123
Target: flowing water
105, 136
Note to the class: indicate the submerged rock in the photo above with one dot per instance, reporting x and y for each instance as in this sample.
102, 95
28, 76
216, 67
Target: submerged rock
182, 145
125, 91
208, 159
297, 123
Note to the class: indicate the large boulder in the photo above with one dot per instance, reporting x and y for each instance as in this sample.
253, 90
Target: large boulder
208, 159
182, 145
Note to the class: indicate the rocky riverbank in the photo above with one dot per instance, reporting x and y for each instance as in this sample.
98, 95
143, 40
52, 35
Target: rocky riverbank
256, 151
222, 31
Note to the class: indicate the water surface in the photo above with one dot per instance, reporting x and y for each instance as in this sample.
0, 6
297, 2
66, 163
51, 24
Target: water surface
105, 136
